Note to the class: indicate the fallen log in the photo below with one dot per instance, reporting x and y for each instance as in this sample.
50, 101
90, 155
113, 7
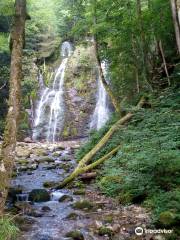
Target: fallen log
81, 170
82, 166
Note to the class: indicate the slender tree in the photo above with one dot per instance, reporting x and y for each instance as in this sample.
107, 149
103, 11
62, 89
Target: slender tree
174, 6
10, 134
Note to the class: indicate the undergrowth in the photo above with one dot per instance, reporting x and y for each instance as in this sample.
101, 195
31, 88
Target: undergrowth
8, 230
146, 168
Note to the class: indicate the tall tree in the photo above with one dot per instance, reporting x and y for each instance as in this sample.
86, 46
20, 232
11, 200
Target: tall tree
10, 134
175, 4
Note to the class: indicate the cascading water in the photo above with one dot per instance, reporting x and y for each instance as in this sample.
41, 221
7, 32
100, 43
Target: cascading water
49, 116
101, 112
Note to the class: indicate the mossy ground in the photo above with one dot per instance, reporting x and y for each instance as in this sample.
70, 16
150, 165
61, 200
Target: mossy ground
146, 168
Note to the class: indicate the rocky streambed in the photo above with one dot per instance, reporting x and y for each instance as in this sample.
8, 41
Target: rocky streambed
78, 212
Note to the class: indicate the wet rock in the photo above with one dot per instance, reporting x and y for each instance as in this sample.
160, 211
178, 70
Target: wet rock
13, 191
43, 237
72, 216
25, 207
24, 223
83, 205
46, 209
57, 154
75, 235
39, 195
45, 159
33, 167
66, 158
66, 198
22, 161
50, 184
50, 167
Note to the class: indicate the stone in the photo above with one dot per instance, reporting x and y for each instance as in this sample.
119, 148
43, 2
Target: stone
75, 235
39, 195
50, 184
22, 161
83, 205
72, 216
45, 159
22, 152
13, 191
46, 209
66, 198
79, 192
28, 140
25, 207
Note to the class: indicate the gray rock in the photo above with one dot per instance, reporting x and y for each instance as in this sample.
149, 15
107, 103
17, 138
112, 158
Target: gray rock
39, 195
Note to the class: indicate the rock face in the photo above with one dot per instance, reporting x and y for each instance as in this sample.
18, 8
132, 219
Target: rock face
80, 94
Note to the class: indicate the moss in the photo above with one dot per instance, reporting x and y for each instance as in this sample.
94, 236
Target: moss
166, 218
23, 161
83, 205
72, 216
79, 192
75, 235
108, 219
49, 184
105, 231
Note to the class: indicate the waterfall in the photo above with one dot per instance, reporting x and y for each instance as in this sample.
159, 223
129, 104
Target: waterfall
49, 116
101, 112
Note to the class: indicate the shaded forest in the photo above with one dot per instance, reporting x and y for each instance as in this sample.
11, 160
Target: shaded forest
89, 118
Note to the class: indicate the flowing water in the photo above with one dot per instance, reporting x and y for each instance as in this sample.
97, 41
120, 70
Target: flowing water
49, 117
101, 112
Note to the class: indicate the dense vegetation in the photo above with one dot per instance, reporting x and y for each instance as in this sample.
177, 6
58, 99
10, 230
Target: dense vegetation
146, 168
137, 39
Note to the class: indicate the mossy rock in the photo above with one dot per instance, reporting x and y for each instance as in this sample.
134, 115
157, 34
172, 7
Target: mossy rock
75, 235
167, 218
72, 216
39, 195
105, 231
45, 159
83, 205
50, 184
22, 161
66, 198
80, 192
108, 219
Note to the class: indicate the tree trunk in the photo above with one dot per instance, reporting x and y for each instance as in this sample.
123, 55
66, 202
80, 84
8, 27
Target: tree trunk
81, 170
10, 133
176, 21
144, 45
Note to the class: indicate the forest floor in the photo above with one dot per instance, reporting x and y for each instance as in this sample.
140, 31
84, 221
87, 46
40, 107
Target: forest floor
77, 212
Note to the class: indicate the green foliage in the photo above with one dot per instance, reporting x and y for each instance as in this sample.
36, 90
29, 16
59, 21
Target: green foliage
146, 168
8, 231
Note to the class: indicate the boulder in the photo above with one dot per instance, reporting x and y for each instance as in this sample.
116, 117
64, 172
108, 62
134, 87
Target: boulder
13, 191
75, 235
39, 195
22, 152
28, 140
66, 198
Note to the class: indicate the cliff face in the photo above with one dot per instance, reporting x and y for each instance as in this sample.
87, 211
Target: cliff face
80, 92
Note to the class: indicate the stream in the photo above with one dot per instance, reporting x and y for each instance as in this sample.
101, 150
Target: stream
40, 164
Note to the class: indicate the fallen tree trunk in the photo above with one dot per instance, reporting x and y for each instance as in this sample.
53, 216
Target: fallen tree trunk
81, 170
104, 140
82, 166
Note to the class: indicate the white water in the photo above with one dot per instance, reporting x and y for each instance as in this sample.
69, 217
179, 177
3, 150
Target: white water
49, 116
101, 112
